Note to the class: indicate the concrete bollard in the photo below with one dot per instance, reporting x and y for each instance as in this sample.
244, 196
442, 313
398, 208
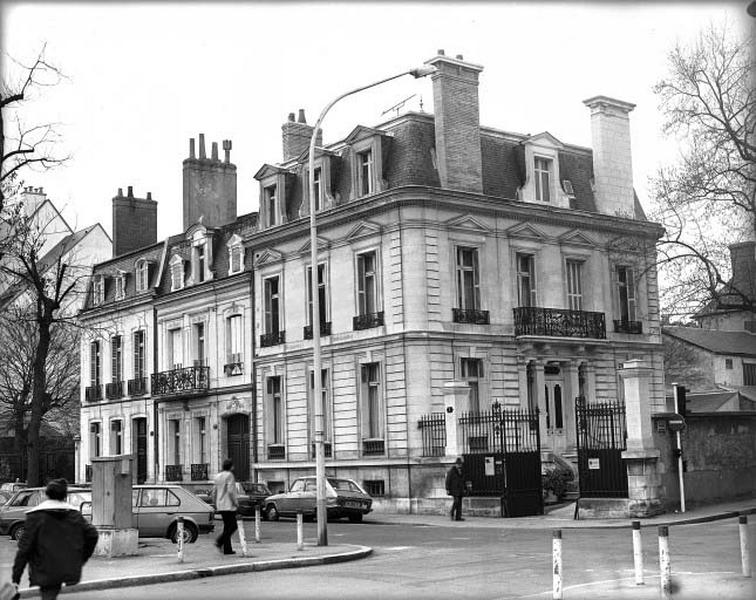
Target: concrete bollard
257, 524
637, 553
300, 531
180, 539
665, 564
242, 534
745, 549
556, 546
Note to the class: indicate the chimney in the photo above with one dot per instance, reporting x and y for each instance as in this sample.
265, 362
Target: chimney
743, 259
612, 157
134, 222
209, 186
296, 136
457, 118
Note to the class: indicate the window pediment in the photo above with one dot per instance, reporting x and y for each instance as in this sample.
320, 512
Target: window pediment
527, 231
467, 223
363, 229
323, 244
268, 256
577, 238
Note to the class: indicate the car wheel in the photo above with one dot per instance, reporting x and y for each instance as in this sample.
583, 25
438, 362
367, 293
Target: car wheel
355, 518
17, 532
190, 533
271, 513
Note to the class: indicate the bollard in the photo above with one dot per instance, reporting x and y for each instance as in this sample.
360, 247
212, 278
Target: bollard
257, 524
637, 553
242, 534
300, 533
665, 566
745, 550
180, 538
557, 564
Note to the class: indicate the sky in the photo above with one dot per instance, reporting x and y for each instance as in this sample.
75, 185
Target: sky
143, 78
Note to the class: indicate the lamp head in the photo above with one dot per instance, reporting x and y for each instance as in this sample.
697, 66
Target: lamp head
423, 71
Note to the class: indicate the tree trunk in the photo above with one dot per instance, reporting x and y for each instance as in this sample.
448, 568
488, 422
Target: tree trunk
39, 384
19, 437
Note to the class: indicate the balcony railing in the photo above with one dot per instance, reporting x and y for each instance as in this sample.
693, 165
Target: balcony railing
367, 321
621, 326
475, 316
326, 447
137, 387
181, 381
114, 390
559, 322
174, 472
276, 452
200, 472
272, 339
93, 393
325, 329
233, 368
373, 447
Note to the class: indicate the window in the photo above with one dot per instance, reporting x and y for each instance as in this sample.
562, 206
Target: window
175, 354
472, 371
120, 287
526, 279
200, 263
271, 205
375, 487
275, 404
625, 293
98, 290
174, 441
728, 363
272, 304
322, 304
177, 273
367, 291
749, 373
116, 359
749, 326
116, 437
142, 275
317, 177
575, 284
201, 437
542, 167
324, 390
234, 338
372, 409
235, 255
95, 440
138, 354
365, 172
199, 344
95, 365
468, 285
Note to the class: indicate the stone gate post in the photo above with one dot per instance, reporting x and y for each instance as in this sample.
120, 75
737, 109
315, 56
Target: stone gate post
456, 399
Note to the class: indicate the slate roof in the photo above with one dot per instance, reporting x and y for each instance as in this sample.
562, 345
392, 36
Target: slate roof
734, 343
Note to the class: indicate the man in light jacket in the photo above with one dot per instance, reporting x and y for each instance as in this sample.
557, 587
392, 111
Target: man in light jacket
226, 504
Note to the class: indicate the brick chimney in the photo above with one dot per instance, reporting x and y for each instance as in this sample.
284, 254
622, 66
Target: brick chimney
209, 186
743, 260
134, 222
457, 118
296, 136
612, 156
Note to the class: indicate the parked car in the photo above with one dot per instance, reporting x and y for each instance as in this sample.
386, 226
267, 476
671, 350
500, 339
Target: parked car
13, 512
4, 497
250, 495
344, 498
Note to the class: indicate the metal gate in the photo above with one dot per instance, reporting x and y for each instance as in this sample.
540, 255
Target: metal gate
601, 438
502, 453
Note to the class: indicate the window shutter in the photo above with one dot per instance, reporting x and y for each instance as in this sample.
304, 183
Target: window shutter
630, 294
93, 363
113, 360
533, 292
362, 304
476, 278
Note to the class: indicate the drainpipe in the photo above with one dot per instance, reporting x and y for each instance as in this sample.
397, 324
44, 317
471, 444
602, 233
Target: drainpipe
155, 427
254, 371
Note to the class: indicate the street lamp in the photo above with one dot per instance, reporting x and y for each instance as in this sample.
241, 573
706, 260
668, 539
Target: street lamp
315, 315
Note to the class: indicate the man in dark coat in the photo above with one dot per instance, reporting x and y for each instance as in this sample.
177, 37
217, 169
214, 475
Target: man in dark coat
455, 487
56, 543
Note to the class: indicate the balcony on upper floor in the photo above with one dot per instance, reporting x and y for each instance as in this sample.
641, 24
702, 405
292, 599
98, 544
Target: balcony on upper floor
272, 339
367, 321
325, 329
181, 381
137, 387
93, 393
559, 322
624, 326
114, 390
473, 316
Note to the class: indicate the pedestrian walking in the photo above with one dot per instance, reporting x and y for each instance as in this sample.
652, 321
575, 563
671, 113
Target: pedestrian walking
56, 543
226, 504
455, 487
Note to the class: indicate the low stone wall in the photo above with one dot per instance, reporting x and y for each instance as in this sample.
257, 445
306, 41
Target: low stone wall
719, 450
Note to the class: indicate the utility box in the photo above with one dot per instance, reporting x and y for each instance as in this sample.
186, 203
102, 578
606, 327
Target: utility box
112, 511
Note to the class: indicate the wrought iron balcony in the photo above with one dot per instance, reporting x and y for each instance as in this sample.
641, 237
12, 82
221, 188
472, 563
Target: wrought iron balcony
326, 447
559, 322
373, 447
272, 339
325, 329
174, 472
184, 380
276, 452
114, 390
137, 387
93, 393
475, 316
200, 471
367, 321
621, 326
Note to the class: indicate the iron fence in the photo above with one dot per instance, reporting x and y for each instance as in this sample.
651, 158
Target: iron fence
433, 431
499, 430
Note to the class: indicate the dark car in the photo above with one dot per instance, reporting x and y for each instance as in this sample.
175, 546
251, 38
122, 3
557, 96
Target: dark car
13, 512
344, 498
250, 495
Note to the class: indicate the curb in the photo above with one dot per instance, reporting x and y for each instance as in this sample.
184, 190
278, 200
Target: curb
200, 572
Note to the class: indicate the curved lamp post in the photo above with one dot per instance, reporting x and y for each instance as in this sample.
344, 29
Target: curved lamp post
315, 315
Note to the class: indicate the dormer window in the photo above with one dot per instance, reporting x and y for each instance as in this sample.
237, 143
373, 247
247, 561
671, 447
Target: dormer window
271, 205
365, 172
274, 182
317, 180
366, 151
542, 168
98, 290
235, 255
542, 171
177, 272
199, 262
142, 275
120, 286
201, 254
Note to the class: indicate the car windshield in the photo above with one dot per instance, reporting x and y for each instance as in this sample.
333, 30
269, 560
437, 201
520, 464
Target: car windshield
344, 485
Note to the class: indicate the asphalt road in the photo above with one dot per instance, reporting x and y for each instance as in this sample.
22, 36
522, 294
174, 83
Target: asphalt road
462, 562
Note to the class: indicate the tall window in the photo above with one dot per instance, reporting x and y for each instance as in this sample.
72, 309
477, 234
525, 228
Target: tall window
234, 332
526, 279
575, 284
272, 304
365, 170
366, 283
275, 404
317, 177
324, 390
177, 273
98, 290
174, 440
95, 440
199, 344
625, 293
271, 207
472, 373
200, 263
95, 365
116, 437
138, 354
372, 403
542, 179
235, 258
120, 287
116, 359
142, 275
175, 352
468, 284
749, 373
201, 437
321, 295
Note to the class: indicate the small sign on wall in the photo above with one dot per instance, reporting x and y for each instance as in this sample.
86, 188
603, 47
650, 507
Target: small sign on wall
594, 464
489, 466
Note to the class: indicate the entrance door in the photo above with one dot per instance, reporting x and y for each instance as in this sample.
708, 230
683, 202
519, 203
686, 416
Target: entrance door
554, 395
237, 427
140, 448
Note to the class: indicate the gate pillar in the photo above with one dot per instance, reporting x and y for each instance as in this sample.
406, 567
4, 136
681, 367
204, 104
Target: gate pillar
456, 398
641, 456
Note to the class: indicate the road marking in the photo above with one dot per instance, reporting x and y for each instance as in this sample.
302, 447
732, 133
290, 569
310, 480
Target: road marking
398, 548
459, 538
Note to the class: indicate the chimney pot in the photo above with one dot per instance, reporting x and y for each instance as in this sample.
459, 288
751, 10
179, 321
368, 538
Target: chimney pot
191, 148
214, 151
202, 154
460, 57
441, 53
120, 192
301, 118
291, 117
130, 191
227, 150
149, 195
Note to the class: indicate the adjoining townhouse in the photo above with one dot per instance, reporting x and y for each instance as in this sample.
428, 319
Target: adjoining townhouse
517, 264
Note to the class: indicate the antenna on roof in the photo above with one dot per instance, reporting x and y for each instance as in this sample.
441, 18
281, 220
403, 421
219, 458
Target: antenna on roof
398, 106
